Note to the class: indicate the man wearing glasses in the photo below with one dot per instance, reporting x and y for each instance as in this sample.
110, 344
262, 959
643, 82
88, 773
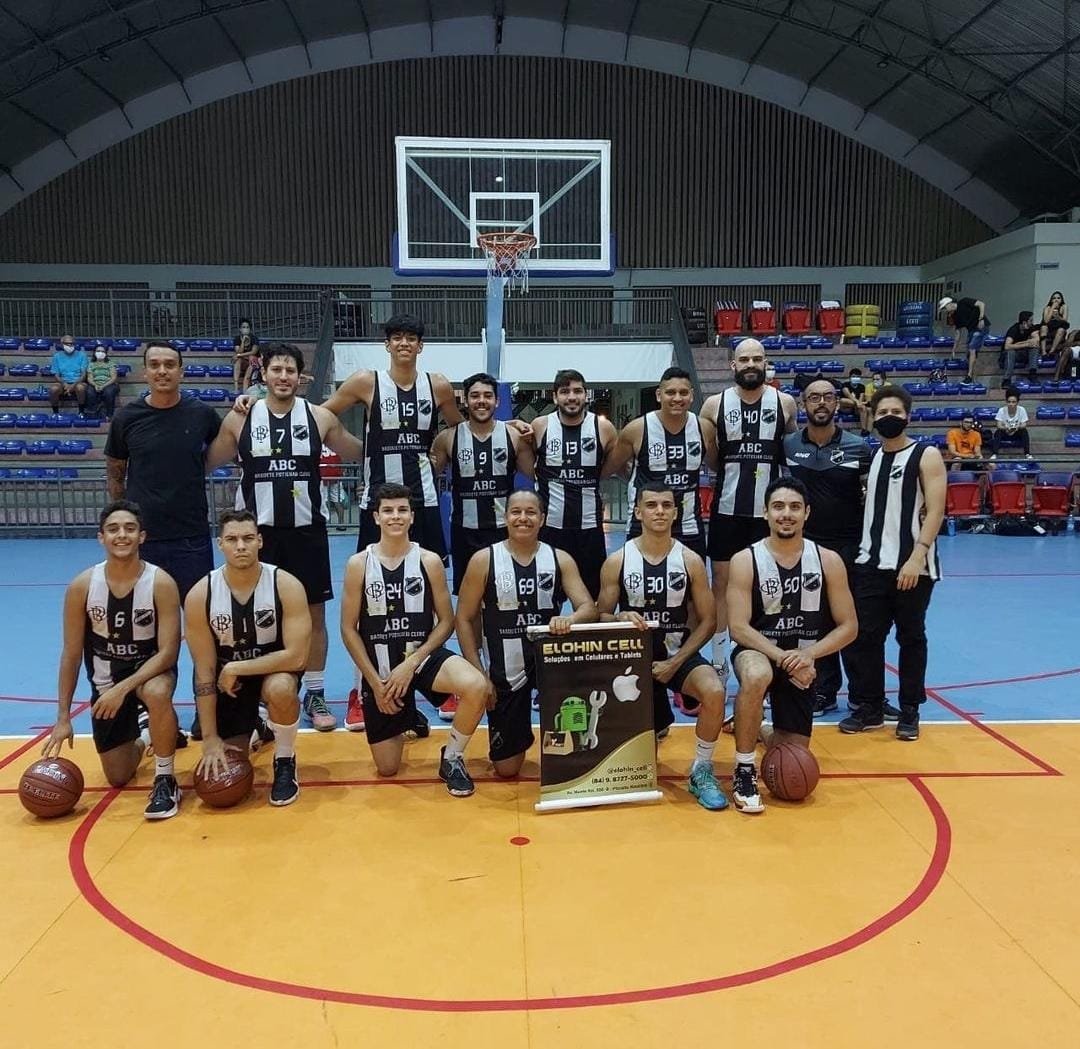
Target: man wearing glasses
833, 464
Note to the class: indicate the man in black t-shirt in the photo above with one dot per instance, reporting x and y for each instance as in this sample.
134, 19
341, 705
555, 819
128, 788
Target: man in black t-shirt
968, 315
1021, 340
154, 456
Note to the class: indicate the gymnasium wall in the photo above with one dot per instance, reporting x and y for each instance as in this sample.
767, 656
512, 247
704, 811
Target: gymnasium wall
301, 174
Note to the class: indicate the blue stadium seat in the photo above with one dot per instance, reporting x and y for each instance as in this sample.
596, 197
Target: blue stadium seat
927, 364
32, 421
123, 370
918, 389
7, 420
12, 393
781, 368
1047, 362
8, 344
75, 447
994, 340
1057, 386
5, 472
1074, 411
58, 422
847, 417
12, 447
795, 342
876, 364
33, 473
945, 389
68, 472
201, 345
1072, 439
212, 394
220, 371
985, 414
942, 342
802, 416
973, 389
955, 364
21, 371
918, 342
735, 340
3, 368
1050, 411
226, 345
1028, 467
46, 447
954, 414
918, 414
869, 344
85, 422
1027, 386
939, 440
125, 345
39, 393
773, 342
961, 477
934, 415
820, 342
830, 367
904, 364
872, 443
922, 438
178, 344
195, 371
190, 394
222, 472
793, 390
804, 367
894, 344
46, 371
38, 343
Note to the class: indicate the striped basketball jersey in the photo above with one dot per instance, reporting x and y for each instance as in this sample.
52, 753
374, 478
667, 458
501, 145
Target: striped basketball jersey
481, 476
397, 613
750, 441
894, 512
568, 465
674, 459
790, 605
660, 592
280, 482
517, 597
121, 632
249, 629
397, 438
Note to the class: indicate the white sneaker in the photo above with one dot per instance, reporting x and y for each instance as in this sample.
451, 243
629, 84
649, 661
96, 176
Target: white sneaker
744, 790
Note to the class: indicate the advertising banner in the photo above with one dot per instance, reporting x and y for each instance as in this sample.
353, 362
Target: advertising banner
597, 745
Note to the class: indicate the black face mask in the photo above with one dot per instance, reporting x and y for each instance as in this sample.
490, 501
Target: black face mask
890, 425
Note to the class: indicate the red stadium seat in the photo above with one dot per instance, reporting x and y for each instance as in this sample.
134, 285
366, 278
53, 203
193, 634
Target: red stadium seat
797, 319
1052, 495
1008, 498
830, 321
727, 319
963, 499
763, 320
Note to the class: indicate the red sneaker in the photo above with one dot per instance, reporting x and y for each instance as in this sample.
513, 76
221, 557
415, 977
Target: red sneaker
448, 709
354, 713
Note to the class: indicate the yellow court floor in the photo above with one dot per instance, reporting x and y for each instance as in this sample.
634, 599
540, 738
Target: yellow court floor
928, 894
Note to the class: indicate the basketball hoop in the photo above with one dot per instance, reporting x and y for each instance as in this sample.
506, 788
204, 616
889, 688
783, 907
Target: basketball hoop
507, 254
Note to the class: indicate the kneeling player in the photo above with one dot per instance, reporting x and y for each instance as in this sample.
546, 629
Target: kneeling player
788, 605
396, 617
655, 578
249, 630
122, 617
510, 587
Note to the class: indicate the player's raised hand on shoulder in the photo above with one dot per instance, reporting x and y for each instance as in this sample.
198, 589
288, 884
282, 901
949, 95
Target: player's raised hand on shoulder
243, 404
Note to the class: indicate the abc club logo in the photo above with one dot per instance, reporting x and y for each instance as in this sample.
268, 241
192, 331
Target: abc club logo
374, 591
260, 433
221, 623
588, 444
424, 406
676, 580
770, 587
97, 613
300, 433
693, 448
837, 457
896, 473
264, 617
545, 580
499, 455
768, 415
414, 585
657, 450
811, 581
143, 616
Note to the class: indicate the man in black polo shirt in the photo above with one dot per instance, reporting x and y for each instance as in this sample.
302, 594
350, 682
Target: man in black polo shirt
833, 464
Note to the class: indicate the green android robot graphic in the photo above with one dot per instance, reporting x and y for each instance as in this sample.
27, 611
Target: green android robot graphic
575, 725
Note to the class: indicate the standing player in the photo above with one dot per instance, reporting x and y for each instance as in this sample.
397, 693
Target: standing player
896, 567
669, 446
515, 584
122, 618
249, 630
833, 464
751, 419
571, 445
279, 443
790, 605
657, 578
484, 455
396, 618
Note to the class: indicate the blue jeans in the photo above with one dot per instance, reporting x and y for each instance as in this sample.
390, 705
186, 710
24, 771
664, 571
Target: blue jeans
104, 397
186, 560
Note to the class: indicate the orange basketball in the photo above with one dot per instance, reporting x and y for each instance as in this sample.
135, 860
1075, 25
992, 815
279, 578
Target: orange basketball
51, 787
231, 787
790, 772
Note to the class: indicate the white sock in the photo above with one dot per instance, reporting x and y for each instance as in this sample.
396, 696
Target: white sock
285, 739
163, 766
264, 712
314, 680
458, 742
744, 759
703, 752
358, 681
719, 648
144, 728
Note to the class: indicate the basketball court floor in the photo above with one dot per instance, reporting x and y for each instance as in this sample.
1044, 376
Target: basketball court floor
924, 896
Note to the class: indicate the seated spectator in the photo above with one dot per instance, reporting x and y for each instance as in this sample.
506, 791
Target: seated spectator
1021, 340
1011, 424
1055, 323
852, 392
1068, 366
103, 386
965, 444
245, 353
69, 368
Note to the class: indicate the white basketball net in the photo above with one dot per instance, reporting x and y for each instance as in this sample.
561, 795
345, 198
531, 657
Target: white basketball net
507, 257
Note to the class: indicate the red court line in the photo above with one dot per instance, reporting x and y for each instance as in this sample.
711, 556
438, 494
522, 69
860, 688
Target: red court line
1045, 676
922, 891
40, 737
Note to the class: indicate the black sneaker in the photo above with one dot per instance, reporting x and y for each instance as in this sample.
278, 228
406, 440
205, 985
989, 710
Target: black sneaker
744, 790
195, 732
181, 738
285, 790
453, 773
164, 799
261, 735
420, 730
907, 727
891, 713
825, 705
861, 720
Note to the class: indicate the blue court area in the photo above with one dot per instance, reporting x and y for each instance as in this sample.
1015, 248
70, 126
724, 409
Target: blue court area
1002, 626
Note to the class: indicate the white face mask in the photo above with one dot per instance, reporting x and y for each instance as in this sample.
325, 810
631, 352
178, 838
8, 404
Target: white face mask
770, 373
99, 355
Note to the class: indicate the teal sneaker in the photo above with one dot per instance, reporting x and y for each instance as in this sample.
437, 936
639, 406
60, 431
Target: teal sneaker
704, 787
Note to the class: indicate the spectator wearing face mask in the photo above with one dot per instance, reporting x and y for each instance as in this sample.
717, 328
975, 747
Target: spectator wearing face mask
245, 354
964, 443
102, 384
69, 367
770, 377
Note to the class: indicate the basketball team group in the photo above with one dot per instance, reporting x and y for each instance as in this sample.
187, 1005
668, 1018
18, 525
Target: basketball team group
818, 548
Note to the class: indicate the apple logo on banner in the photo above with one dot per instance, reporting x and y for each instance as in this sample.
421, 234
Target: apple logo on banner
625, 687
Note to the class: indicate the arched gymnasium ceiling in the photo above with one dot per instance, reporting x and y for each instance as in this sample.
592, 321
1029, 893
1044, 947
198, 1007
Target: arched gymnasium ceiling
980, 97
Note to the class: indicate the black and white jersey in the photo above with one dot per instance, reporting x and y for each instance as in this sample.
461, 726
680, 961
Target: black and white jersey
397, 438
121, 632
659, 592
894, 511
279, 459
481, 476
790, 606
750, 440
397, 612
517, 597
249, 629
673, 459
568, 465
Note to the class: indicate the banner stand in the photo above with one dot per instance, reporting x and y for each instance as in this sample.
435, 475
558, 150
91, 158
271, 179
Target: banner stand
597, 744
